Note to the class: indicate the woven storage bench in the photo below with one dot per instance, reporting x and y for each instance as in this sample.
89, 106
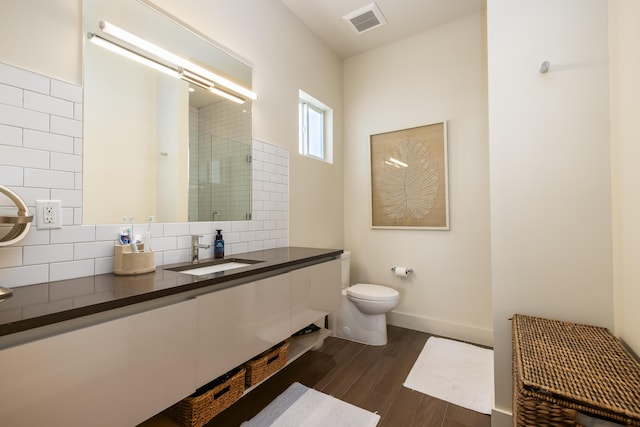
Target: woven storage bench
272, 360
562, 368
209, 400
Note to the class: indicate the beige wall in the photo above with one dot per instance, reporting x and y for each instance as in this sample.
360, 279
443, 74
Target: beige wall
551, 234
43, 36
434, 76
624, 52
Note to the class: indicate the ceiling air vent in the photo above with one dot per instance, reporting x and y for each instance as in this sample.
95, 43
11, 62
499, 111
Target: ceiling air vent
366, 18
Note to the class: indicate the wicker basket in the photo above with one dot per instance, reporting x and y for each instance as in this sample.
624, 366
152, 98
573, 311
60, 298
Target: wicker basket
272, 360
562, 368
209, 400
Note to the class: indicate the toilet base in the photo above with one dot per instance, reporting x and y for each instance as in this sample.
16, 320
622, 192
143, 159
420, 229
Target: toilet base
353, 325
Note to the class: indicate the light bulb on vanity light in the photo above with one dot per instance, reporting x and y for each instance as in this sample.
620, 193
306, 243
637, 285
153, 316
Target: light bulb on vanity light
175, 59
106, 44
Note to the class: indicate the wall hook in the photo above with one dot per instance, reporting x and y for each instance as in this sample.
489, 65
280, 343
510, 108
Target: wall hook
544, 67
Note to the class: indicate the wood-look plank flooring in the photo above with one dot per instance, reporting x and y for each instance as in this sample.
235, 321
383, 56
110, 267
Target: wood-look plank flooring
370, 377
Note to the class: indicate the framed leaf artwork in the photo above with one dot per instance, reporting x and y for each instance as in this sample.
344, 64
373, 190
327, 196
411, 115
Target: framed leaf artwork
409, 184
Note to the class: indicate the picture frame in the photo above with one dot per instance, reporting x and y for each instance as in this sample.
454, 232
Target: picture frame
409, 178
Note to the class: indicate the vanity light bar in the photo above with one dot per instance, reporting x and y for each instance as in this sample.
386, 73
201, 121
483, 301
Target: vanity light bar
99, 41
195, 79
227, 95
208, 85
175, 59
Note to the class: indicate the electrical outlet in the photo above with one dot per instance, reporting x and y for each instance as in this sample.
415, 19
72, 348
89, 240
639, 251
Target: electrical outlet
48, 214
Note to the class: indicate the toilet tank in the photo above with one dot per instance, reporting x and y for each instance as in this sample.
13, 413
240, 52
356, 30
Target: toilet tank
346, 265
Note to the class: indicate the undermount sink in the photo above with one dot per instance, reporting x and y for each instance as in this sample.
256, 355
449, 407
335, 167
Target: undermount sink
215, 267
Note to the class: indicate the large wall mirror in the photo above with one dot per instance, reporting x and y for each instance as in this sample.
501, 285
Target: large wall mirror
157, 145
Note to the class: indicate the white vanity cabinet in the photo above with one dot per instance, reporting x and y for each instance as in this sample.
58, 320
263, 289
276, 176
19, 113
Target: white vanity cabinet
139, 361
315, 293
238, 323
116, 373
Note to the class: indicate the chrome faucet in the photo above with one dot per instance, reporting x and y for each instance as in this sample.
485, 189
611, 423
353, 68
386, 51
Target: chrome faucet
195, 247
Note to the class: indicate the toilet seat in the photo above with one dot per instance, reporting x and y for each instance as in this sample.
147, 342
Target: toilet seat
370, 292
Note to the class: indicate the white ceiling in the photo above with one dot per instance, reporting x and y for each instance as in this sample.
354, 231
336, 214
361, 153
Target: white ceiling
404, 17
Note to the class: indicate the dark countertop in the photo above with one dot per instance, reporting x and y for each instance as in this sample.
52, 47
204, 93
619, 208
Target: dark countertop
46, 304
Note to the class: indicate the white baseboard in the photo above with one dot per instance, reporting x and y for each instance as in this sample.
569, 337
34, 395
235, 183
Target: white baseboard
500, 418
457, 331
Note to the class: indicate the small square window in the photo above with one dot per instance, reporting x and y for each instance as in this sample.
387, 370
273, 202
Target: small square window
315, 121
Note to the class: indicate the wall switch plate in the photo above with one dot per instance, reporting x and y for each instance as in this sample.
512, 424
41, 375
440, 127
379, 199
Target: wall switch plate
48, 214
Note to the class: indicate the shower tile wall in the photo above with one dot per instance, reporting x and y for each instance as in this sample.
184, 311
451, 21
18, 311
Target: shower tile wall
223, 172
41, 158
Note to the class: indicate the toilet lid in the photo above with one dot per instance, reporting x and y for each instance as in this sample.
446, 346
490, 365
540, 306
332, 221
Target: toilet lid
372, 292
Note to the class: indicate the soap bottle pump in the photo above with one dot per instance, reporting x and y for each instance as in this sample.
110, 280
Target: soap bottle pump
218, 245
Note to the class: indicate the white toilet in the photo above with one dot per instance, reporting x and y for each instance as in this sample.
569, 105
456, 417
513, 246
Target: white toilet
363, 309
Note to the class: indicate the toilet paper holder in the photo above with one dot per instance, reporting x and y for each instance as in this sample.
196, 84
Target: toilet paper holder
408, 270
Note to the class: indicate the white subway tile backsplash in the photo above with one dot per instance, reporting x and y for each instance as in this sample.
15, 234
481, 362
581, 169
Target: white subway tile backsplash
48, 141
237, 226
239, 248
77, 111
184, 242
10, 135
67, 216
165, 243
70, 198
269, 167
247, 236
48, 178
10, 95
35, 236
104, 265
47, 104
256, 245
46, 254
261, 195
177, 229
231, 237
158, 257
66, 162
23, 157
71, 269
64, 126
77, 216
67, 91
10, 257
199, 227
41, 158
276, 197
261, 215
11, 175
27, 275
23, 79
108, 231
261, 176
73, 234
16, 116
179, 255
77, 146
93, 250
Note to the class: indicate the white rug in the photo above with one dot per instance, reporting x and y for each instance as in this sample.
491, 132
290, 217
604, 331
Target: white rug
459, 373
300, 406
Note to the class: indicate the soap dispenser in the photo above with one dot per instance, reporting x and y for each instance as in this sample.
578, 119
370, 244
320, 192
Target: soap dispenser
218, 245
